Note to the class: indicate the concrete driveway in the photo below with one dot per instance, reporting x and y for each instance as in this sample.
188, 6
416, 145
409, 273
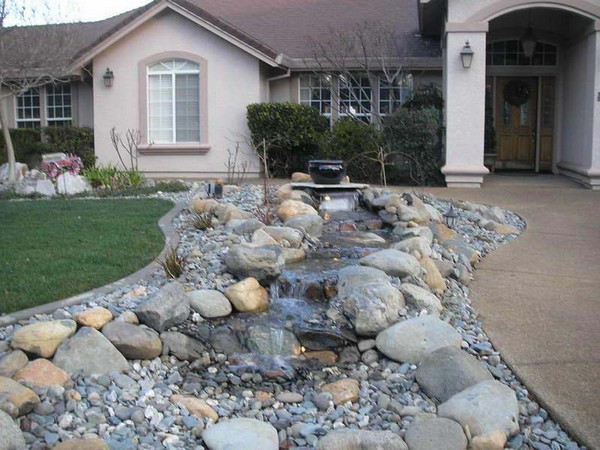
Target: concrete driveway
539, 296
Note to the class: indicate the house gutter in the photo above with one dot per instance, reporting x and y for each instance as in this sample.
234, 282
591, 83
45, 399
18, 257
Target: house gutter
287, 74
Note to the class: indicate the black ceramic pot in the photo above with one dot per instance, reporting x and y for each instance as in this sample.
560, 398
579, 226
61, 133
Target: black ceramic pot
324, 171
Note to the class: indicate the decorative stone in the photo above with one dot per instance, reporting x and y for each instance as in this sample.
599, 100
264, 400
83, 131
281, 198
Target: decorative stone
91, 353
45, 188
183, 347
293, 255
361, 440
263, 263
95, 317
43, 338
195, 406
42, 373
266, 340
421, 298
462, 248
12, 362
448, 371
289, 397
71, 184
209, 303
128, 317
82, 444
244, 226
419, 231
412, 244
134, 342
248, 296
486, 407
435, 434
410, 341
23, 398
292, 208
342, 391
200, 205
326, 357
432, 276
11, 437
285, 236
446, 268
247, 434
393, 262
260, 238
301, 177
495, 440
441, 232
500, 228
309, 225
169, 307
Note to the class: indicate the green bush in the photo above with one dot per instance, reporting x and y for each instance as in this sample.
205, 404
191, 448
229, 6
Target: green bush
426, 96
292, 133
112, 178
27, 144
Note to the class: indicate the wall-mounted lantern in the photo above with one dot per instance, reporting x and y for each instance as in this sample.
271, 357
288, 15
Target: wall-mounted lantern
108, 77
466, 55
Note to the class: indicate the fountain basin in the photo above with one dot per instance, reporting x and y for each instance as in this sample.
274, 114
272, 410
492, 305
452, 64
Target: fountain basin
327, 171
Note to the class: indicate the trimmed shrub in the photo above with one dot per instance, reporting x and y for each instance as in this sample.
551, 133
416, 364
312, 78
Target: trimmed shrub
291, 132
426, 96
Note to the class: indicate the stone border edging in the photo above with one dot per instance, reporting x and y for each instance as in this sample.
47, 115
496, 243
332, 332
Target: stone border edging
171, 240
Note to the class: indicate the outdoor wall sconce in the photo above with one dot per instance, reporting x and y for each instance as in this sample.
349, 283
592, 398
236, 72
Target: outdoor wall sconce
451, 217
466, 55
108, 77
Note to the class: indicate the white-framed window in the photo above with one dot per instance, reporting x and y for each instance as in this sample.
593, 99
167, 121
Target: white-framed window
174, 102
59, 108
356, 95
315, 91
29, 109
394, 95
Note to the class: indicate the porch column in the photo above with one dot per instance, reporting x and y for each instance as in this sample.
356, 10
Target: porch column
465, 109
594, 175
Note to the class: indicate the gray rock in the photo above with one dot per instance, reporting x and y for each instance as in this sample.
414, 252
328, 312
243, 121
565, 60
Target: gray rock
169, 307
12, 362
446, 268
309, 225
361, 440
11, 437
183, 347
247, 434
448, 371
225, 340
210, 303
70, 184
422, 232
435, 434
413, 244
421, 298
285, 236
352, 276
393, 262
90, 352
410, 341
45, 188
133, 341
267, 340
244, 226
263, 263
485, 407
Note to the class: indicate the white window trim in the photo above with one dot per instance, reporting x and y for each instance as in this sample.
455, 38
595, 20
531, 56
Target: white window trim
310, 89
63, 118
43, 120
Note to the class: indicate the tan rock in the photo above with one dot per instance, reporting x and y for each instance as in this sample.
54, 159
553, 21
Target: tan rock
128, 317
43, 338
95, 317
444, 233
293, 255
263, 396
491, 441
42, 372
20, 396
82, 444
195, 406
501, 228
342, 391
136, 293
199, 205
293, 208
261, 237
346, 179
12, 362
301, 177
433, 278
235, 213
326, 357
248, 296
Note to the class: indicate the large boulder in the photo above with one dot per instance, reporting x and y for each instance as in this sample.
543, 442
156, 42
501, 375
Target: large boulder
20, 171
352, 276
201, 205
309, 225
247, 434
266, 340
413, 244
260, 238
410, 341
361, 440
134, 342
448, 371
71, 184
11, 437
248, 296
406, 233
432, 276
244, 226
293, 208
43, 338
393, 262
91, 353
435, 434
23, 398
209, 303
421, 298
263, 263
42, 373
169, 307
485, 408
183, 347
12, 362
285, 236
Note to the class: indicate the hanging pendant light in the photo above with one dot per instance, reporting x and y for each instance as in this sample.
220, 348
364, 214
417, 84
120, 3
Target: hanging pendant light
529, 41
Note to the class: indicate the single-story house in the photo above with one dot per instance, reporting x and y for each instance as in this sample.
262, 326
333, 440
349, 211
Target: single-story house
182, 72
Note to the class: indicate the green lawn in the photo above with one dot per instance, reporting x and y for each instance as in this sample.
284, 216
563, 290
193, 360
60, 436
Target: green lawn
50, 250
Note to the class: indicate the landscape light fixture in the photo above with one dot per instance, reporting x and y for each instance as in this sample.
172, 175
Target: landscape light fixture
528, 40
466, 55
451, 217
108, 77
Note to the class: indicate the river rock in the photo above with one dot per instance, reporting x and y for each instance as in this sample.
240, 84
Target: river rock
393, 262
421, 298
23, 398
435, 434
260, 238
195, 406
301, 177
491, 441
271, 341
309, 225
500, 228
183, 347
441, 232
91, 443
134, 342
406, 233
248, 296
285, 236
462, 248
43, 338
247, 434
293, 255
11, 437
263, 263
485, 408
95, 317
201, 205
42, 373
209, 303
432, 276
292, 208
352, 276
71, 184
342, 391
12, 362
448, 371
410, 341
169, 307
413, 244
91, 353
445, 268
361, 440
244, 226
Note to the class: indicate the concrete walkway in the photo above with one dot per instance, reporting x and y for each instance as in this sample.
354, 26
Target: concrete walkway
539, 296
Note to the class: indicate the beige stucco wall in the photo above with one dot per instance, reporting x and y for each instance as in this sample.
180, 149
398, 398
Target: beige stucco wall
233, 82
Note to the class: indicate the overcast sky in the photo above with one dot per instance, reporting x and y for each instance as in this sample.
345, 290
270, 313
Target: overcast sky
44, 11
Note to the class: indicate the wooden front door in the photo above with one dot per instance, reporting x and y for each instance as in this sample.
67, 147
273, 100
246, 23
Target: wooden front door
516, 126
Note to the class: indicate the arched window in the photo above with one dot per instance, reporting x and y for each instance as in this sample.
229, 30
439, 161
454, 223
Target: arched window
174, 102
510, 53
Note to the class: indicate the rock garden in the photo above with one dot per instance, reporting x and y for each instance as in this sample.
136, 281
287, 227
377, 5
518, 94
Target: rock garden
315, 327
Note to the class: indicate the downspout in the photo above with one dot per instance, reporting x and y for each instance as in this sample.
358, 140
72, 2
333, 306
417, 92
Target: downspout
288, 74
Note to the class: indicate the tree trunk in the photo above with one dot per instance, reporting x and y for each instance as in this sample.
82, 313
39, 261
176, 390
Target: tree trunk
10, 150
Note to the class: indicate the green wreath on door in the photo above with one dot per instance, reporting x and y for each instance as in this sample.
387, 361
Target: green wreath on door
516, 92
